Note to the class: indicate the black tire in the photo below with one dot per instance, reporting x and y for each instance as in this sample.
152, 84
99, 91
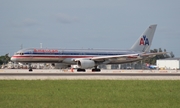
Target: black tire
96, 70
81, 70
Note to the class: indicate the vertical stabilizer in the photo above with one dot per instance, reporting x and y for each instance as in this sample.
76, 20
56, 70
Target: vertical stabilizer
145, 40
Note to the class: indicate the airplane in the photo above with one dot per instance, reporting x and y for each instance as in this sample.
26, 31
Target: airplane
89, 58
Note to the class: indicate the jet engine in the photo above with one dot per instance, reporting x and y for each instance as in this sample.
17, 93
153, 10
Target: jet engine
84, 64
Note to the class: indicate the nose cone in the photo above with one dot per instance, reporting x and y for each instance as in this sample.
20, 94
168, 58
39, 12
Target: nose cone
13, 59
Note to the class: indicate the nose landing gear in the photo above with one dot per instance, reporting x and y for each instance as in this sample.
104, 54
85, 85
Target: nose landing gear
30, 67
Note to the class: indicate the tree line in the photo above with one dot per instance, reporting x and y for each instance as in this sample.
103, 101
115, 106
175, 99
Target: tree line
163, 56
4, 59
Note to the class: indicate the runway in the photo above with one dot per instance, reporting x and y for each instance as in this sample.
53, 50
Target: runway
89, 74
107, 75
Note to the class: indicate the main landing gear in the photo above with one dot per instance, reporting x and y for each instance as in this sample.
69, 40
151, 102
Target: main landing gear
95, 69
81, 70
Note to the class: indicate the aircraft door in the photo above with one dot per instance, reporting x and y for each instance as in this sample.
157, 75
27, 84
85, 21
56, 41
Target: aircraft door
31, 55
60, 56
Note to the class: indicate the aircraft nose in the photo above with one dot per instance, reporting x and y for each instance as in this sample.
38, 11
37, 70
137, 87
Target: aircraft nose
13, 59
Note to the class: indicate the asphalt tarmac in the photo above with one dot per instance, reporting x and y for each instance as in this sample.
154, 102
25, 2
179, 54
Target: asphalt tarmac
20, 74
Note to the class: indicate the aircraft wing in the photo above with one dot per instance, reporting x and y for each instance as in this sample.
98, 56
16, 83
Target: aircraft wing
115, 56
142, 55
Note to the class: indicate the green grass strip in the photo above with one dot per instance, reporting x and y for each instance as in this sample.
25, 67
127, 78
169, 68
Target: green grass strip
89, 94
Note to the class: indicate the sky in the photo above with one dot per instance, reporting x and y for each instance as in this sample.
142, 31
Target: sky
84, 24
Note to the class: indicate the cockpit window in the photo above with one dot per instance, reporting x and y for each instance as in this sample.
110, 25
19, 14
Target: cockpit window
19, 53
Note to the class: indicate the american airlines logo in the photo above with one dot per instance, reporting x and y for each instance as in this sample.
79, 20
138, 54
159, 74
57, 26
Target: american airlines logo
144, 40
45, 51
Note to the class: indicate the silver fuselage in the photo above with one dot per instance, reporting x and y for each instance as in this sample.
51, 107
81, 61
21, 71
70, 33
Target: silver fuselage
37, 55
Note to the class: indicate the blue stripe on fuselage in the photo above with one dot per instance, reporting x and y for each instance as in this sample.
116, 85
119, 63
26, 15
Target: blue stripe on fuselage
78, 52
74, 53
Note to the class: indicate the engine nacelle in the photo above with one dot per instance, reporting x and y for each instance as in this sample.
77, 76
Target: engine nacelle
84, 64
60, 65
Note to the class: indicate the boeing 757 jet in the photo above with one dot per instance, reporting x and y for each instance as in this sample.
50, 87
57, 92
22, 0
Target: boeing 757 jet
89, 58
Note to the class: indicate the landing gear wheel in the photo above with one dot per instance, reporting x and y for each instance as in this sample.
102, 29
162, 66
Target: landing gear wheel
30, 69
96, 70
81, 70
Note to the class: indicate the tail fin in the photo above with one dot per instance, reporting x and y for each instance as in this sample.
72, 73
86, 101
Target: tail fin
145, 40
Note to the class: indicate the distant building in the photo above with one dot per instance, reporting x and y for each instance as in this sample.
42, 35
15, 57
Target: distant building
169, 63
